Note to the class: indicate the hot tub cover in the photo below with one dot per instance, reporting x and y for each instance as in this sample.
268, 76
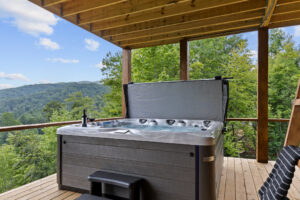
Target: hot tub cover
197, 99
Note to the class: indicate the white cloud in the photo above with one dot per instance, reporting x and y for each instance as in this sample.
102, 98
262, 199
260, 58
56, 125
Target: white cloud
253, 54
297, 31
91, 44
62, 60
28, 17
20, 77
5, 86
48, 44
100, 65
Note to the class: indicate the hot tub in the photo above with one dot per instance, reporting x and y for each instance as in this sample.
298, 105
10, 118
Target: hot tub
180, 157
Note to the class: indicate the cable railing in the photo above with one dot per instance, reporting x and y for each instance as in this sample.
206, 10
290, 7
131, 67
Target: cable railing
44, 125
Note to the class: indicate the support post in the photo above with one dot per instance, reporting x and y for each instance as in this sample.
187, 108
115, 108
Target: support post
184, 59
262, 97
126, 75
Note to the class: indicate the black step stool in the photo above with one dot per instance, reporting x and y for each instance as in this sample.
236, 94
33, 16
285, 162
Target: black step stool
90, 197
133, 184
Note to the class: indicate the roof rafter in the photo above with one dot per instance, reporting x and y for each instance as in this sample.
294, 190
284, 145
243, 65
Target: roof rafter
284, 2
286, 17
139, 22
194, 32
78, 6
122, 28
146, 9
285, 23
47, 3
287, 8
253, 14
209, 35
142, 23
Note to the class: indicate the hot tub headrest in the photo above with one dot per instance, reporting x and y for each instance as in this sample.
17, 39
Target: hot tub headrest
197, 99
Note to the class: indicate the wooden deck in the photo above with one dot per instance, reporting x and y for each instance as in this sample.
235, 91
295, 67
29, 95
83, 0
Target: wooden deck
241, 179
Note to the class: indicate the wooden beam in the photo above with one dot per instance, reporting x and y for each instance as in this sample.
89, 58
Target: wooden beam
146, 10
126, 75
47, 3
262, 97
194, 32
112, 27
269, 12
255, 14
79, 6
184, 59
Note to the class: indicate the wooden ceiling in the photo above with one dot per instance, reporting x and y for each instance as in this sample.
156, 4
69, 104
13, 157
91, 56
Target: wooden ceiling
143, 23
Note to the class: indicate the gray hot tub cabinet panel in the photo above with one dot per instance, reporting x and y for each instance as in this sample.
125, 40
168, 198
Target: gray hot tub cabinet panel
169, 170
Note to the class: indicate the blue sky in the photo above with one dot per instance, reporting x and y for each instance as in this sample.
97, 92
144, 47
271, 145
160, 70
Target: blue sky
38, 47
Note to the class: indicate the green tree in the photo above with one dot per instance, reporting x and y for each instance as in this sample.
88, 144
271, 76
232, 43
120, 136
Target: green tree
112, 100
7, 179
76, 103
32, 160
51, 107
7, 119
160, 63
284, 73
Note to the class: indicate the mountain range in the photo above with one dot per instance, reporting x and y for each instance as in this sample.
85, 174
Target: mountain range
31, 99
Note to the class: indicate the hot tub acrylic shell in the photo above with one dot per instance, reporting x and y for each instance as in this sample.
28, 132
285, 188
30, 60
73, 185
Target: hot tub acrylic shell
171, 171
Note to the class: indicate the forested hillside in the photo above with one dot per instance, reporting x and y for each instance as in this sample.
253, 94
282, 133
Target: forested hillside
27, 102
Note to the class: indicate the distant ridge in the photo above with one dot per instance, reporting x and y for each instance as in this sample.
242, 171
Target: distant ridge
33, 98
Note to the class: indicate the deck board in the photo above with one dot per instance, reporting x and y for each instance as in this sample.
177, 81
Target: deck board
240, 180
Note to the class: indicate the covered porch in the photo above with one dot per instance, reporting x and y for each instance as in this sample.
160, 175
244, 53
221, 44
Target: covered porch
241, 179
149, 23
138, 24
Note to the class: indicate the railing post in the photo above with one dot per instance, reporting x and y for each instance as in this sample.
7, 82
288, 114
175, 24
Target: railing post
126, 74
262, 97
184, 59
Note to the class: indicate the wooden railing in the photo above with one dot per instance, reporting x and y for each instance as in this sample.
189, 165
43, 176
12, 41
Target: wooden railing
44, 125
255, 119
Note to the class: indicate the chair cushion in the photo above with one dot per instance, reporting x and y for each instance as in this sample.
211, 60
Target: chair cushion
278, 183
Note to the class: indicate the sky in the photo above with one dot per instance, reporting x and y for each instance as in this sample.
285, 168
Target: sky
38, 47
